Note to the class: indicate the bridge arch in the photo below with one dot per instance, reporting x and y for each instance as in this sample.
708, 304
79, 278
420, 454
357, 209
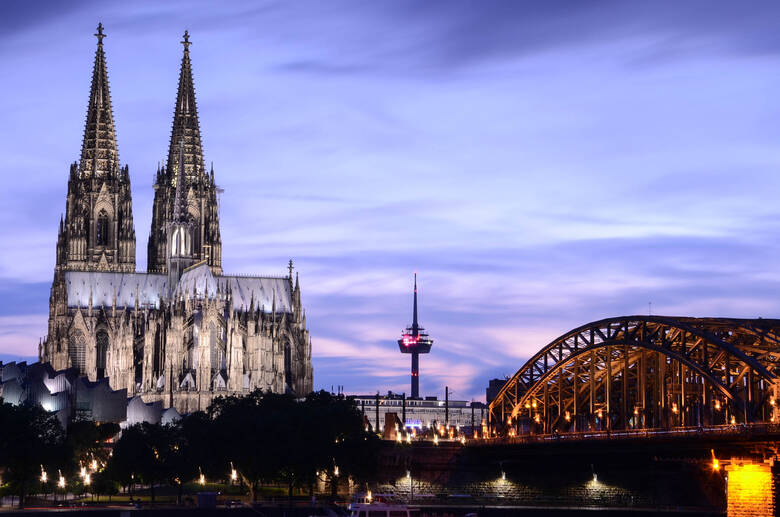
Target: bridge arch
645, 371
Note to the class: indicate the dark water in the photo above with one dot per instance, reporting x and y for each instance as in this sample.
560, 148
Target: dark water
461, 511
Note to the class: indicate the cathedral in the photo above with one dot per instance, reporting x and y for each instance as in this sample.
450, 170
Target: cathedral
183, 332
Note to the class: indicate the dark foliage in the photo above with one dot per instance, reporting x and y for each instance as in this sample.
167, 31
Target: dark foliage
260, 438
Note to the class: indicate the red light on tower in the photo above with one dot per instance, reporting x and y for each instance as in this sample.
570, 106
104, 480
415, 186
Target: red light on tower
415, 341
410, 340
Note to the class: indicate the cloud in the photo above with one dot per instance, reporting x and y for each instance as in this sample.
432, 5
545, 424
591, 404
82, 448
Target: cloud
541, 164
19, 334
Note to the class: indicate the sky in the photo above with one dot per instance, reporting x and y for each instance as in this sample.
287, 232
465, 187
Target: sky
539, 164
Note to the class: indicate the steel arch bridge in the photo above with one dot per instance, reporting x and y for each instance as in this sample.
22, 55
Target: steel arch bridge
645, 372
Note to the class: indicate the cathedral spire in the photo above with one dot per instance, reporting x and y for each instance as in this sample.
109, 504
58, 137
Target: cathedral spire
186, 126
99, 154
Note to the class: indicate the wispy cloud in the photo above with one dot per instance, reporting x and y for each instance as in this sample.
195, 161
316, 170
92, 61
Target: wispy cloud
541, 164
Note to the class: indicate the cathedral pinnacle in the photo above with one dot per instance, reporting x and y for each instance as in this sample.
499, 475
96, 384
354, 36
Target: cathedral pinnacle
100, 34
186, 42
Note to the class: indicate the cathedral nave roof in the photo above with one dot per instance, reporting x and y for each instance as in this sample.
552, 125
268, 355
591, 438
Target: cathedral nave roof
152, 288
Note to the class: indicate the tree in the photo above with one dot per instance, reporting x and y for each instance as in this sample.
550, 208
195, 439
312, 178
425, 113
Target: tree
88, 443
177, 456
247, 432
138, 455
340, 439
31, 440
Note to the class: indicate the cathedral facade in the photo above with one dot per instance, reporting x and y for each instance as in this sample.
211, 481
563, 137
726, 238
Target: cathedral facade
183, 332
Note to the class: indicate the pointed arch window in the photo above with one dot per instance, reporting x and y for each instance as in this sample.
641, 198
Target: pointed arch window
288, 374
181, 242
102, 350
101, 229
191, 356
77, 346
217, 348
159, 352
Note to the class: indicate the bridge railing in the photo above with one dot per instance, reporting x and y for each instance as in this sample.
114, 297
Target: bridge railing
636, 434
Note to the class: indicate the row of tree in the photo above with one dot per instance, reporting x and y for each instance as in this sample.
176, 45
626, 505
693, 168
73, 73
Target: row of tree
254, 439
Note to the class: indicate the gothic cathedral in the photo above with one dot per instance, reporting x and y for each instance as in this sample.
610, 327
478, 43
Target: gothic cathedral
182, 332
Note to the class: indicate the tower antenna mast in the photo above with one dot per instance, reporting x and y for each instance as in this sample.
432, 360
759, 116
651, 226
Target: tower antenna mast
415, 341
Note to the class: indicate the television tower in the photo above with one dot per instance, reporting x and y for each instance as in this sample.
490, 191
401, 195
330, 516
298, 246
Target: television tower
415, 341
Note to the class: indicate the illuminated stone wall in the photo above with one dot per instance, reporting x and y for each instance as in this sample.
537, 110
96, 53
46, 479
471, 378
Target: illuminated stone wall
752, 489
587, 477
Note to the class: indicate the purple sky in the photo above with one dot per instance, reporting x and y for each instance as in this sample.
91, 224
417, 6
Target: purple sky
540, 164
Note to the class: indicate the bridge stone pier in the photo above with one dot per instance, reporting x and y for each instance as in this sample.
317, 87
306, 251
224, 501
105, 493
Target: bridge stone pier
752, 488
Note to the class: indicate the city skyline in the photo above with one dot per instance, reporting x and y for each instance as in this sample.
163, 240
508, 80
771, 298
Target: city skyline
536, 181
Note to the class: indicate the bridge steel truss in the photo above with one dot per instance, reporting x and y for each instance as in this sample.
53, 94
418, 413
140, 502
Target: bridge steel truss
643, 372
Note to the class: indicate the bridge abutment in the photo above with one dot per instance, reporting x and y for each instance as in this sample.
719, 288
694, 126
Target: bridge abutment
752, 488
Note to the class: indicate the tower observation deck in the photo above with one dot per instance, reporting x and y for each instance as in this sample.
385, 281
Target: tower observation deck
415, 341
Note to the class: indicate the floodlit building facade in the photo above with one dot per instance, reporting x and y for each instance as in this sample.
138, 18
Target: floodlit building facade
421, 413
182, 332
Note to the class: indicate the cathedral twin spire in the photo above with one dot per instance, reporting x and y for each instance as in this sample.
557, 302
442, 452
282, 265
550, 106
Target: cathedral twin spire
98, 231
99, 153
186, 127
183, 189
